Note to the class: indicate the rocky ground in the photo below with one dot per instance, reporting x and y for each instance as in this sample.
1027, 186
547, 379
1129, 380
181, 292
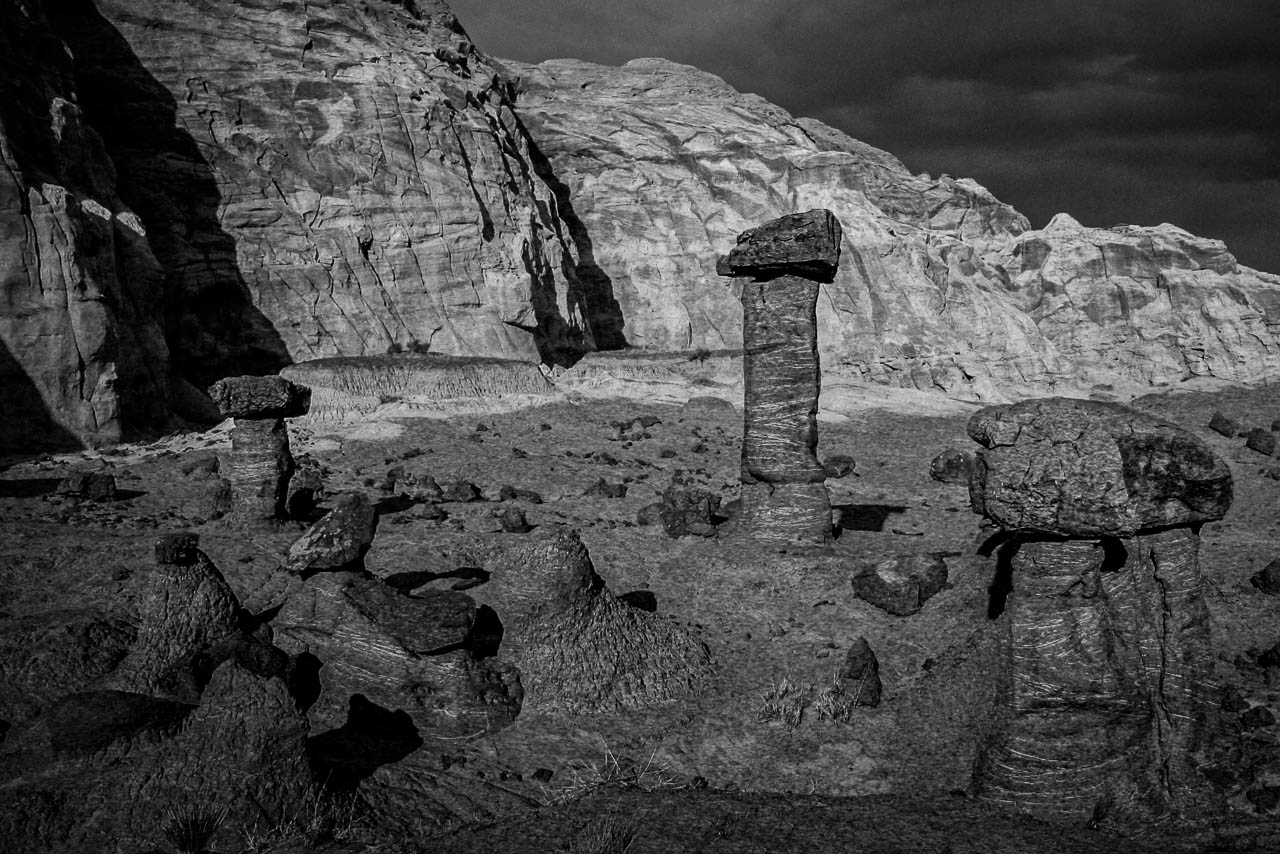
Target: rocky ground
757, 756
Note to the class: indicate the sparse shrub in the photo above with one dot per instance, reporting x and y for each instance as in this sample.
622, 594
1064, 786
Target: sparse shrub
606, 834
321, 818
784, 701
189, 829
585, 777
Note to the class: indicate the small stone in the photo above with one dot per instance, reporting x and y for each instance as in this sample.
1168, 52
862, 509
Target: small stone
1223, 425
1257, 718
511, 493
603, 489
901, 585
1268, 579
861, 674
952, 466
688, 512
513, 521
180, 549
461, 492
260, 398
650, 514
839, 465
543, 775
89, 485
1262, 441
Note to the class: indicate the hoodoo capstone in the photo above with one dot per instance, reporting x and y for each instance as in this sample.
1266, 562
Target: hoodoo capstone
1112, 701
781, 265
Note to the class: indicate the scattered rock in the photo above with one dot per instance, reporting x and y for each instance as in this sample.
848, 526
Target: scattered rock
1264, 798
89, 486
1262, 441
513, 520
901, 585
952, 466
1257, 718
511, 493
1223, 425
688, 512
416, 484
1267, 579
461, 492
839, 465
650, 514
706, 405
861, 673
338, 541
603, 489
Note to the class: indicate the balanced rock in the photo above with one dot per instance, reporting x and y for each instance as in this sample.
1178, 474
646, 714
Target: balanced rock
338, 541
260, 398
1086, 468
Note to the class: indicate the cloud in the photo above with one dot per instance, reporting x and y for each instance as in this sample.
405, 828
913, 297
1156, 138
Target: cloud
1139, 110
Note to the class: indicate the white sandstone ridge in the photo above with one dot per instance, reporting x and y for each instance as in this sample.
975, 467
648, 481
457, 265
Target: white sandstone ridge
941, 286
408, 385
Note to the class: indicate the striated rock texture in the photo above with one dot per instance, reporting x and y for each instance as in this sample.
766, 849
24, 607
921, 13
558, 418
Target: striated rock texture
779, 267
943, 286
1112, 699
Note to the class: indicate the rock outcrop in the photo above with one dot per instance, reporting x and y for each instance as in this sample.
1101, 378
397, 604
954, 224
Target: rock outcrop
944, 287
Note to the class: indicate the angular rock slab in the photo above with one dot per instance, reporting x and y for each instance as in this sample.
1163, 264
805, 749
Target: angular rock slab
803, 243
409, 653
338, 541
1089, 469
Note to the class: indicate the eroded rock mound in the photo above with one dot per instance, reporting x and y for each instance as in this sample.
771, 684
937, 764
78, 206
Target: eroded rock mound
580, 649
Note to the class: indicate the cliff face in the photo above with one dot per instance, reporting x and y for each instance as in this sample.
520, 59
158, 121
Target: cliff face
197, 189
941, 286
80, 337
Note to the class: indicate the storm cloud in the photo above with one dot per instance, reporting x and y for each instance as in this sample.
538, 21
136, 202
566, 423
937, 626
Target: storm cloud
1137, 111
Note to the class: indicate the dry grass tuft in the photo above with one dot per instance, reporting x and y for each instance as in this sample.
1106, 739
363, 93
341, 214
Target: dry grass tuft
784, 701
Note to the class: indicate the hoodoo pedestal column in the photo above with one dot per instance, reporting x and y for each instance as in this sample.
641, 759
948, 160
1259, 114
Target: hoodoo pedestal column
781, 266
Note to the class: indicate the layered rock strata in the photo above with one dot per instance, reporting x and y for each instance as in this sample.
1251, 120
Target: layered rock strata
260, 463
1113, 703
779, 266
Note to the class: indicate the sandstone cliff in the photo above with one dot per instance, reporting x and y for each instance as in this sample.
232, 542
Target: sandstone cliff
201, 189
941, 286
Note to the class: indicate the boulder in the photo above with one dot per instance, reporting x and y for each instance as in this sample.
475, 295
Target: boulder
338, 541
1267, 579
1262, 441
1224, 426
952, 466
686, 511
901, 585
1087, 468
861, 674
89, 486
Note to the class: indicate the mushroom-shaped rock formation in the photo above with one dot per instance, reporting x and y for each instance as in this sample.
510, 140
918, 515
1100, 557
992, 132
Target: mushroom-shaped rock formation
260, 463
428, 654
579, 648
780, 266
1112, 704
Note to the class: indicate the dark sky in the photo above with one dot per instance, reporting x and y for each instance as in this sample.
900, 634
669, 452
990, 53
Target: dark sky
1116, 111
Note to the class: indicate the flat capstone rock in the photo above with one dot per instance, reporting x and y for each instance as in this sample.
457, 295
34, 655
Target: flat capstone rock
260, 397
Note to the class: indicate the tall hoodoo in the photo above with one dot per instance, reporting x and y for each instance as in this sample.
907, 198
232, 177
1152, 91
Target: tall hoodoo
260, 463
1112, 704
780, 265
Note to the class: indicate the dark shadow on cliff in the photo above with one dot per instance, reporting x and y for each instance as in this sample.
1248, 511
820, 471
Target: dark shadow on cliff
212, 327
26, 426
564, 342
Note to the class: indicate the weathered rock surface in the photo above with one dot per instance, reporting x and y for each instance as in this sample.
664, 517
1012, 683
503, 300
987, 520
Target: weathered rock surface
952, 466
901, 585
421, 655
338, 541
260, 397
1267, 579
946, 288
1085, 468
